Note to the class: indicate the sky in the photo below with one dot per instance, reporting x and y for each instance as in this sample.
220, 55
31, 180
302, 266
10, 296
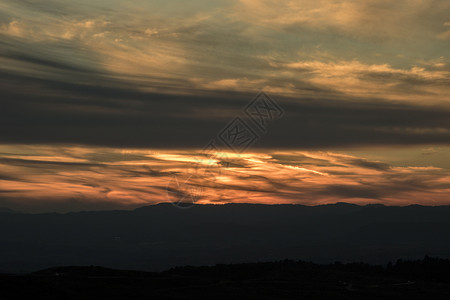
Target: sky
103, 104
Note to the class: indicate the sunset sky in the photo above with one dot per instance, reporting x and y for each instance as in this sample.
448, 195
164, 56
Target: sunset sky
103, 104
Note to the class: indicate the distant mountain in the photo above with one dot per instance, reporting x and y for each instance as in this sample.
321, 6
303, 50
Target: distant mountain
157, 237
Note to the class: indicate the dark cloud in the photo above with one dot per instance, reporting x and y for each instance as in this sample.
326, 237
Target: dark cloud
48, 111
7, 177
43, 62
370, 164
26, 162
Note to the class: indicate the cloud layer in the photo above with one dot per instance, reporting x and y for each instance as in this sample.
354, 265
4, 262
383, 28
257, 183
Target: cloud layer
142, 74
43, 178
339, 48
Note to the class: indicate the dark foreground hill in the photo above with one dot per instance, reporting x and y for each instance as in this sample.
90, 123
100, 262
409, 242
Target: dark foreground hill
423, 279
158, 237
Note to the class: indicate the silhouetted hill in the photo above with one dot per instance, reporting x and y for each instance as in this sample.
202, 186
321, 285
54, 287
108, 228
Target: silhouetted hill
157, 237
427, 278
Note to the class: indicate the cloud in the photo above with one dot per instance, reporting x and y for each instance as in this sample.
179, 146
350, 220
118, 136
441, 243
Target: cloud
43, 178
13, 28
375, 18
221, 47
364, 80
150, 74
50, 111
444, 35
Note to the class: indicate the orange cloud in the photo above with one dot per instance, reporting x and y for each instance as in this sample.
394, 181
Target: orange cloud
44, 177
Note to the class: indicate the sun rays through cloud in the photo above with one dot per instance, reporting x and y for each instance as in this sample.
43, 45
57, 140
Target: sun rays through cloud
36, 177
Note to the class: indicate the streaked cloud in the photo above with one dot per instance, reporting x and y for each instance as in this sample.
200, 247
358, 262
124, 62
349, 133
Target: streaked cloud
378, 19
43, 178
375, 80
242, 46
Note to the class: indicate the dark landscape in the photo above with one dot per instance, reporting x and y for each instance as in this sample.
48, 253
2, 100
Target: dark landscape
158, 237
232, 149
425, 278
